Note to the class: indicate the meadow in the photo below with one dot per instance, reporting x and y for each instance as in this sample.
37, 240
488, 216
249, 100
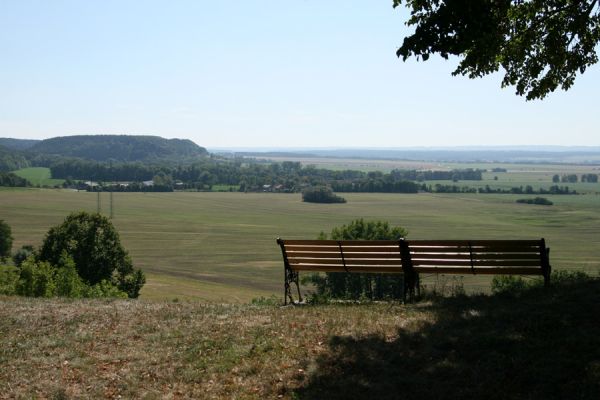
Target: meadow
38, 176
220, 247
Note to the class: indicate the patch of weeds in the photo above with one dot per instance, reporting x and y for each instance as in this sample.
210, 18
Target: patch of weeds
60, 394
444, 286
516, 284
266, 301
318, 298
509, 284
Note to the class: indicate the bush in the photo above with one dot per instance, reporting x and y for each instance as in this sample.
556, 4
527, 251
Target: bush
509, 284
6, 240
36, 279
342, 285
8, 280
22, 254
538, 200
68, 283
516, 284
41, 279
94, 245
321, 194
103, 289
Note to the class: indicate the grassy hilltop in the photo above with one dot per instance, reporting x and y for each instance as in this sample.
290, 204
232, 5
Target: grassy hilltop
536, 344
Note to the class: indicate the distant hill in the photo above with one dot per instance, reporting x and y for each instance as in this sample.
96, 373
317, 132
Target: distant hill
18, 144
529, 154
122, 148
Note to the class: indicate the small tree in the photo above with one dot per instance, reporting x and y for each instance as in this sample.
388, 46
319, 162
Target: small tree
556, 178
94, 245
353, 286
321, 194
6, 240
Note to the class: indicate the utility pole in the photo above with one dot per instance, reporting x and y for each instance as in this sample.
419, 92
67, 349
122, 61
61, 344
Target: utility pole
112, 214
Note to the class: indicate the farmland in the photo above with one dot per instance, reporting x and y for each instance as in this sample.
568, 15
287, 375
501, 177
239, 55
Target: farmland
221, 246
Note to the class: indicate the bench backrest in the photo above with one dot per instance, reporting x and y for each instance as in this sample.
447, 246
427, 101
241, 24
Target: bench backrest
517, 257
496, 257
378, 256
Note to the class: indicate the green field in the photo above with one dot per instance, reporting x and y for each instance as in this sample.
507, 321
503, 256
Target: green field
221, 246
38, 176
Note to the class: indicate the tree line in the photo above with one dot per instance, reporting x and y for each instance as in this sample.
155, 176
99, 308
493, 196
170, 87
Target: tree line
249, 175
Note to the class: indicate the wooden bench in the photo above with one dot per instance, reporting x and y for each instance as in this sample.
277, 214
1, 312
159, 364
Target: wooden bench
413, 257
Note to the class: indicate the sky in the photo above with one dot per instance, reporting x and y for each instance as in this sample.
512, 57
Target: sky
259, 73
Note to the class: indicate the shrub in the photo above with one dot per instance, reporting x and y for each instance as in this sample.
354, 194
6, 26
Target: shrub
6, 240
68, 283
104, 289
36, 279
344, 285
41, 279
538, 200
8, 280
22, 254
321, 194
94, 245
508, 284
516, 284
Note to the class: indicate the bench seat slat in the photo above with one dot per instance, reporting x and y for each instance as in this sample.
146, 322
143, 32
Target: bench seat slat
478, 271
507, 243
467, 256
479, 263
340, 268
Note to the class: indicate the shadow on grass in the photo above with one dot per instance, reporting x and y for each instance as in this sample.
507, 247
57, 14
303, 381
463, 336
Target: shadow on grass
538, 344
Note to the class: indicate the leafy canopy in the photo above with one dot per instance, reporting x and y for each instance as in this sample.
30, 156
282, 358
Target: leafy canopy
94, 245
540, 44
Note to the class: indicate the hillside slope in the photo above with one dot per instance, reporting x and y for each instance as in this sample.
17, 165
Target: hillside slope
17, 144
537, 344
123, 148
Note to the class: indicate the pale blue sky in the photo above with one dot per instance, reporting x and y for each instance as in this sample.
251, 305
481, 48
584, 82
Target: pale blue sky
258, 73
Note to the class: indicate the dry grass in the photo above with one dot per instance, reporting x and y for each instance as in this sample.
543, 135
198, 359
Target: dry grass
137, 349
537, 344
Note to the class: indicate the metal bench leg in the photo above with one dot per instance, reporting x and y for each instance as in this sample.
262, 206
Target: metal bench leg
291, 277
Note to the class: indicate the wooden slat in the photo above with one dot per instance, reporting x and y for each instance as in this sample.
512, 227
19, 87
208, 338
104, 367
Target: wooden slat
353, 249
333, 268
343, 242
476, 257
441, 256
475, 250
312, 248
506, 256
300, 255
348, 262
478, 271
459, 263
473, 242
